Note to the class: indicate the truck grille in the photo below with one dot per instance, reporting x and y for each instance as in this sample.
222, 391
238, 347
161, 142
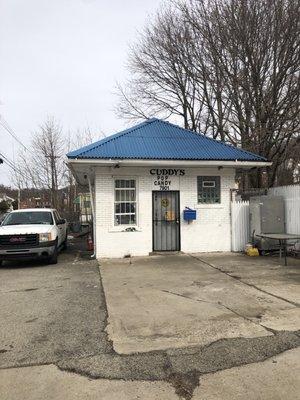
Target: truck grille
17, 241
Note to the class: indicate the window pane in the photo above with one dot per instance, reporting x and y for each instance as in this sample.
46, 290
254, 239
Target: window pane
132, 219
132, 195
126, 195
117, 208
129, 207
125, 219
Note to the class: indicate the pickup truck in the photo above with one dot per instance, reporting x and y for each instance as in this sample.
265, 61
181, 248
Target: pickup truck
32, 233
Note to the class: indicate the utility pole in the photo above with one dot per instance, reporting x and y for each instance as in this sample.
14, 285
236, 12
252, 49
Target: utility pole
54, 188
19, 198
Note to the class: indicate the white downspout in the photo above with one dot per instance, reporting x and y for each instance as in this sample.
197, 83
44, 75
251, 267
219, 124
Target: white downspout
94, 216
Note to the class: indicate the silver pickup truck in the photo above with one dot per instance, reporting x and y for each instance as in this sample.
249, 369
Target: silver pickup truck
32, 233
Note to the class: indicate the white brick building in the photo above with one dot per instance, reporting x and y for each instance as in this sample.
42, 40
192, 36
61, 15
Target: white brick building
143, 179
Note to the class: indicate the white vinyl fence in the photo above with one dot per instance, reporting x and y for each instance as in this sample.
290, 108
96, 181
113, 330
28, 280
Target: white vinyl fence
239, 225
240, 230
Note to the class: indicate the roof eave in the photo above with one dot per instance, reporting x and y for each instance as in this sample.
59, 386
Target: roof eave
187, 163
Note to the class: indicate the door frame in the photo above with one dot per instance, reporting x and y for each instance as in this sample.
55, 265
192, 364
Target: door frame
179, 223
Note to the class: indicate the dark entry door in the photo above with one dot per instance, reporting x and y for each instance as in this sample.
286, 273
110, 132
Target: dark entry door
166, 221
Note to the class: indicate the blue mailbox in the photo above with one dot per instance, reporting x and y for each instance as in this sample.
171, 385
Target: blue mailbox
189, 214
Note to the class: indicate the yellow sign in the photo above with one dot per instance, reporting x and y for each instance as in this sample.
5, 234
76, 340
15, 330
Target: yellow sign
170, 216
164, 202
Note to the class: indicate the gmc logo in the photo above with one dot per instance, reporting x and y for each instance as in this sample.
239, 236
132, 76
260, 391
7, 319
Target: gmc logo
17, 239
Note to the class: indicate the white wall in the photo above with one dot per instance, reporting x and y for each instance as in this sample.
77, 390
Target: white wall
210, 232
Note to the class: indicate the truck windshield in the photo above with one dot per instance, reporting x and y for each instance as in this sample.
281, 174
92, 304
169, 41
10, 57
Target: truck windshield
29, 218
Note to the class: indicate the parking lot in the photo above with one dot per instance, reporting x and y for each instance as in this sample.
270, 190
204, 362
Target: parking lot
50, 312
186, 300
199, 326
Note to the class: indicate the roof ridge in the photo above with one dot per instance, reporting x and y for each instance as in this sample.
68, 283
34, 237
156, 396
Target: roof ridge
212, 139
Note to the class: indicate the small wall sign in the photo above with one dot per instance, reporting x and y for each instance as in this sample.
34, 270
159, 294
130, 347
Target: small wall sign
163, 176
170, 216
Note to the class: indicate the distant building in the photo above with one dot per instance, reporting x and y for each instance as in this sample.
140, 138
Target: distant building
82, 205
34, 202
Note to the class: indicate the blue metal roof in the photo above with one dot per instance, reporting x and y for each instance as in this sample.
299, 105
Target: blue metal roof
160, 140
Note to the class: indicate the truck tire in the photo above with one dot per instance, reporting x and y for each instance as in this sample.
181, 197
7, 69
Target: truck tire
53, 259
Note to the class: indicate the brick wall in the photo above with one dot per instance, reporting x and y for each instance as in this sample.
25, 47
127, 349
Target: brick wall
210, 232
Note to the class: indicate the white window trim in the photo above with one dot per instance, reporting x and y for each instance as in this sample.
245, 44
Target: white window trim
122, 228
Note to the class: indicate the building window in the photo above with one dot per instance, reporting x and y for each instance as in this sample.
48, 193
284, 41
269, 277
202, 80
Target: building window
209, 189
125, 202
86, 203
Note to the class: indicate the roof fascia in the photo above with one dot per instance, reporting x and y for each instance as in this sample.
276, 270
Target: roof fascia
186, 163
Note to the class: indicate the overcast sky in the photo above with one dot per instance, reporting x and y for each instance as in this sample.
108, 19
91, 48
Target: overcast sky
62, 58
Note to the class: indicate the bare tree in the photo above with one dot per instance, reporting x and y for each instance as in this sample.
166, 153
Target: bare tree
289, 171
228, 68
160, 84
253, 49
43, 167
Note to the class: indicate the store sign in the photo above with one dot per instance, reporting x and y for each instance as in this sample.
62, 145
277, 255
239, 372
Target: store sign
165, 176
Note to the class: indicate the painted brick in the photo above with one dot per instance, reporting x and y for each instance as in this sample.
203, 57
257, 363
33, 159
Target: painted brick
209, 232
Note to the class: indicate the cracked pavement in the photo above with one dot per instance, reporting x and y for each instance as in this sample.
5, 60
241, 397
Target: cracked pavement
56, 325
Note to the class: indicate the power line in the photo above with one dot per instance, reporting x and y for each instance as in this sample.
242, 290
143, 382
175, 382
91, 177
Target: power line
11, 165
5, 125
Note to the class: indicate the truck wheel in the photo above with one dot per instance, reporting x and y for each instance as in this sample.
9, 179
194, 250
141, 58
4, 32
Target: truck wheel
53, 259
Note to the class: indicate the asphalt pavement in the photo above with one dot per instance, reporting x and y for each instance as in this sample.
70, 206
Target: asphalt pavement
54, 341
51, 312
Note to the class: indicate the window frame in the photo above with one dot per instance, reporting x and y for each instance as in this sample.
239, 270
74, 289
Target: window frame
125, 178
216, 179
